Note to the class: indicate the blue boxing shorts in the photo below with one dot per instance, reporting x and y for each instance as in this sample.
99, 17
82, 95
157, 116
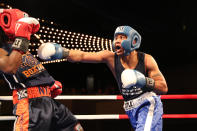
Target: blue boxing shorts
145, 112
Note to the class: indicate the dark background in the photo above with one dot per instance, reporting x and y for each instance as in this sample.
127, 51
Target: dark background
168, 30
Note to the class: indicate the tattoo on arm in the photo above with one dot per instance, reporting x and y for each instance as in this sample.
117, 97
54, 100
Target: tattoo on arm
155, 75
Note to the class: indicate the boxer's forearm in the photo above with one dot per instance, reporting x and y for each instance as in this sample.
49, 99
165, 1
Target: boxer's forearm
75, 55
10, 64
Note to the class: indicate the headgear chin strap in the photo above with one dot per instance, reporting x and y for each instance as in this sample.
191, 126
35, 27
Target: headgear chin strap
133, 40
8, 19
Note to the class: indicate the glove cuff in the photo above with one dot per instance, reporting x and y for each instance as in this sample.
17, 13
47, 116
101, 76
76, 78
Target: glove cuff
65, 53
150, 83
21, 44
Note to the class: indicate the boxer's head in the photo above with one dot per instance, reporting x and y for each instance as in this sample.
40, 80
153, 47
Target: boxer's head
8, 19
132, 42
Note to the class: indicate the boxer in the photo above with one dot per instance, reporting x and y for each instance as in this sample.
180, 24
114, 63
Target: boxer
34, 89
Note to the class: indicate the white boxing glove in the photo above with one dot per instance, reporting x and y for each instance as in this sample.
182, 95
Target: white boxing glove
52, 51
131, 78
128, 78
46, 50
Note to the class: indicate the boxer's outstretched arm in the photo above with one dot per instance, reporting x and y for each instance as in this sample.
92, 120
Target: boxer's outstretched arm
10, 64
53, 51
89, 57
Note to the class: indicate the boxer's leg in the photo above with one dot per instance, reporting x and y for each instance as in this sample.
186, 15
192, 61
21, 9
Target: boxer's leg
150, 115
147, 116
64, 119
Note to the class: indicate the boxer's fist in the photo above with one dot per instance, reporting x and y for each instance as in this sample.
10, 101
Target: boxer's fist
56, 89
132, 78
50, 51
26, 26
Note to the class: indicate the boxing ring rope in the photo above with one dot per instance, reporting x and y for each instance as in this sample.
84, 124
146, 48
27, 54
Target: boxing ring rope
109, 97
111, 116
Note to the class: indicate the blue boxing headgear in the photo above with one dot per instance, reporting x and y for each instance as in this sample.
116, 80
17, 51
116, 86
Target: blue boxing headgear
133, 40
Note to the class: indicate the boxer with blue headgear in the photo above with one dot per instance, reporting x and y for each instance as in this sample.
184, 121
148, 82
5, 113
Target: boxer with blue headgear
137, 74
133, 40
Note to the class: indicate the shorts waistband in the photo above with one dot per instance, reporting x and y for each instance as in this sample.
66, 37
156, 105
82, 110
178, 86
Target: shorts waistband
30, 92
128, 105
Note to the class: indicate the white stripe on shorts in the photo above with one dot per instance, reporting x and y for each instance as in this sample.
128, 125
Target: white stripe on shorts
150, 114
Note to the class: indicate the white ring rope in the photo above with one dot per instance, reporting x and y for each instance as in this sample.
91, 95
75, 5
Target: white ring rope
74, 97
79, 117
112, 116
87, 97
6, 98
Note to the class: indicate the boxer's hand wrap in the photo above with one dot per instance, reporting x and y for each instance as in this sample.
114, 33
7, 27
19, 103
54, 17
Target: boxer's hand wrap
21, 44
65, 53
150, 83
56, 89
